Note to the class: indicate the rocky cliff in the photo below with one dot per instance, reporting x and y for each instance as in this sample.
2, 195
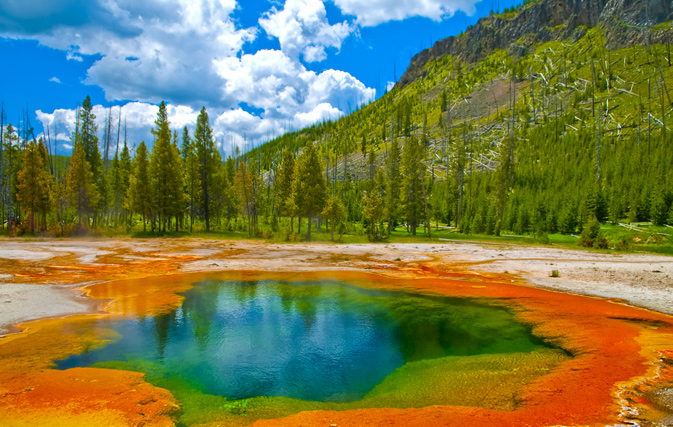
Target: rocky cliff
626, 21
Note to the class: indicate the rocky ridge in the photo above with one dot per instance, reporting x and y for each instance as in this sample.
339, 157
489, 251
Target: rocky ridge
627, 22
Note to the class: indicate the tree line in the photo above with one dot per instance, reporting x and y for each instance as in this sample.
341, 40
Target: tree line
183, 180
583, 139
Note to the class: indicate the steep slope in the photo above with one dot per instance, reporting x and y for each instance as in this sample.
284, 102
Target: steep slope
540, 21
535, 123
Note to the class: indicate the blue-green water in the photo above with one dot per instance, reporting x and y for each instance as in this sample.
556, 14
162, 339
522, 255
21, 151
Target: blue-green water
317, 341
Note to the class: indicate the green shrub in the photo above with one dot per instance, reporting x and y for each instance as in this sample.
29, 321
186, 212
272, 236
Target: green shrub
591, 236
624, 244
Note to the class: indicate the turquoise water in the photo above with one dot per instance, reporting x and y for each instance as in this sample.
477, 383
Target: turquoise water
317, 341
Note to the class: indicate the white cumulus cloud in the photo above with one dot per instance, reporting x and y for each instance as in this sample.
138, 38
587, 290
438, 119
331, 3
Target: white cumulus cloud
190, 53
150, 50
374, 12
302, 28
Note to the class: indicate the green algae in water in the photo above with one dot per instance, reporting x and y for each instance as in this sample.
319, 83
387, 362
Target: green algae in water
240, 351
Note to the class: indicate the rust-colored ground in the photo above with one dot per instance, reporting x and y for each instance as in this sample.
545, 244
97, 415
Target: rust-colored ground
622, 354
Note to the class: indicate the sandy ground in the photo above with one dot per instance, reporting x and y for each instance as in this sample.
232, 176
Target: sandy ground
65, 265
23, 302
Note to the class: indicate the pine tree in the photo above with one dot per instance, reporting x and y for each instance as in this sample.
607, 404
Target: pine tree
137, 197
186, 143
230, 194
160, 166
48, 196
13, 158
311, 190
504, 179
393, 182
34, 185
335, 212
165, 171
412, 185
373, 204
658, 211
243, 182
218, 196
176, 185
284, 187
82, 192
458, 165
371, 164
116, 187
205, 151
192, 180
124, 174
86, 134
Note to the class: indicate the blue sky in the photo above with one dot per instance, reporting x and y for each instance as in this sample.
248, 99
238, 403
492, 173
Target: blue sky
260, 67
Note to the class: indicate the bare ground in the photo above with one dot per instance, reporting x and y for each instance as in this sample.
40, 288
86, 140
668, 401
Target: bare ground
26, 266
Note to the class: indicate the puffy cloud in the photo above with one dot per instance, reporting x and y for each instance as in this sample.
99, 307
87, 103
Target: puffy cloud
150, 50
190, 53
60, 123
302, 28
271, 80
374, 12
236, 126
137, 120
340, 89
55, 80
321, 112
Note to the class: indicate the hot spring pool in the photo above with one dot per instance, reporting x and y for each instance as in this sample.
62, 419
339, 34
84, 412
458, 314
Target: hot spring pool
323, 344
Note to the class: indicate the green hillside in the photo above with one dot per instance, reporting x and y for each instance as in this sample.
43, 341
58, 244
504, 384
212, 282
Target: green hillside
542, 136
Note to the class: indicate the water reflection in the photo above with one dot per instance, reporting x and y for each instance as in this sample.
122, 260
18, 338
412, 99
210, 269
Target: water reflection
323, 341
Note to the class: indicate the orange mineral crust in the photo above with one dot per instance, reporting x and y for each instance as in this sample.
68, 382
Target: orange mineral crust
618, 352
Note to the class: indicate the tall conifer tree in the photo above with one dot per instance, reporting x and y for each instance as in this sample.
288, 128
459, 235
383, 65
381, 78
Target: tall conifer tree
311, 185
34, 185
82, 192
137, 197
205, 151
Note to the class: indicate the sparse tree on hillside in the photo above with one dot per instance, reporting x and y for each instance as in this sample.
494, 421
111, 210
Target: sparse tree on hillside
412, 185
335, 212
284, 187
311, 186
243, 182
373, 204
393, 182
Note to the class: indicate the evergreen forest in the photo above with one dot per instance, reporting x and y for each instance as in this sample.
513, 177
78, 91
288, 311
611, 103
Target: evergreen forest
562, 138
